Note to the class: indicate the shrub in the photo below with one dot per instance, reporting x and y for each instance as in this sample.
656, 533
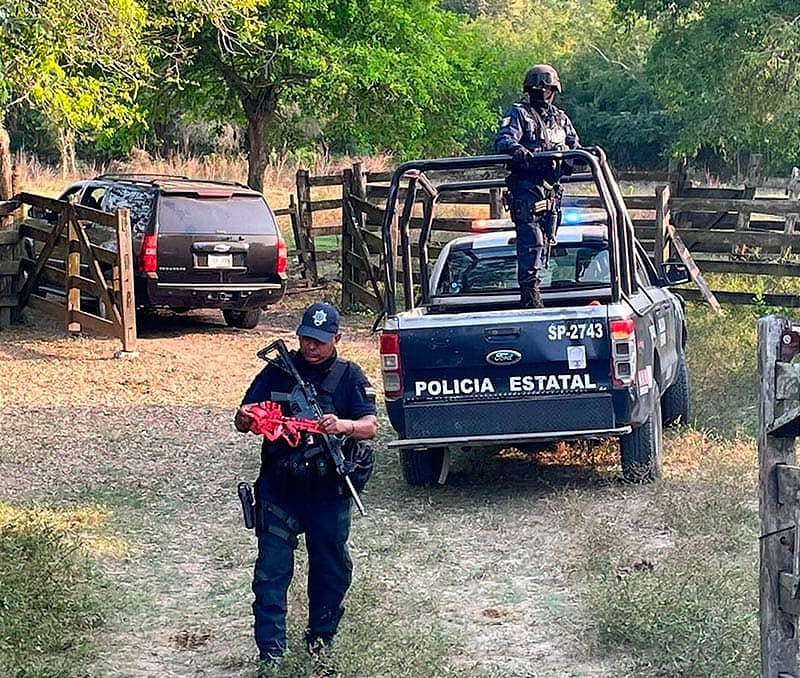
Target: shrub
51, 595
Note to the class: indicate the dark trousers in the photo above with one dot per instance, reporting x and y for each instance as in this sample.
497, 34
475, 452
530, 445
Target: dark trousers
530, 251
530, 237
325, 520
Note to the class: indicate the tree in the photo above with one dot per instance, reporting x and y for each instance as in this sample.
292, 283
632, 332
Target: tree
78, 63
726, 73
356, 65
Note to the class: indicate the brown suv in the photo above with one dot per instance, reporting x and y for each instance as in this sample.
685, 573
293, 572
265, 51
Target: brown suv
196, 243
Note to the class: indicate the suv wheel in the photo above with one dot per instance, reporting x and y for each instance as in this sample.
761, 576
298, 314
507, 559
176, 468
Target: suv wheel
247, 320
642, 449
423, 467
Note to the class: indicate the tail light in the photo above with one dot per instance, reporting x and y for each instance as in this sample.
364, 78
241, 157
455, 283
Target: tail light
390, 366
623, 352
283, 255
147, 256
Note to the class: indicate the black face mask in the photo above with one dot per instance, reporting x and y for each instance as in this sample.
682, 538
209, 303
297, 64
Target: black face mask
541, 98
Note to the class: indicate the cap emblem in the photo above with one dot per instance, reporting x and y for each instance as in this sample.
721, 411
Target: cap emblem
320, 317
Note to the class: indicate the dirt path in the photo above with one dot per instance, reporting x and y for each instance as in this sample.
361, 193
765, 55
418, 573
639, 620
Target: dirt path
474, 579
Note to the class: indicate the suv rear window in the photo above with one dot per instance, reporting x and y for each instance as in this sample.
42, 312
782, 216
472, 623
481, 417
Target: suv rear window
239, 214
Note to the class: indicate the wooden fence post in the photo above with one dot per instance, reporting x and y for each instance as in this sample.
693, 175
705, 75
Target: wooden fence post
751, 181
9, 272
348, 270
779, 482
73, 268
305, 224
126, 300
495, 203
661, 246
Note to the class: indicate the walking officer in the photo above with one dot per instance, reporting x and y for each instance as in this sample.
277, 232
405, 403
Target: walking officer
528, 127
299, 493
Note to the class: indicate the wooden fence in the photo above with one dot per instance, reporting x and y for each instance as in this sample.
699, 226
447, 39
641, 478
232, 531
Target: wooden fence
725, 230
61, 253
779, 496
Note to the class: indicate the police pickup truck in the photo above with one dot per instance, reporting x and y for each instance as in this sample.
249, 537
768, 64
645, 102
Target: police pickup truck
465, 366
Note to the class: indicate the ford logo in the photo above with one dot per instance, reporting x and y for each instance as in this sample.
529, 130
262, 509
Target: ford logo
222, 247
505, 356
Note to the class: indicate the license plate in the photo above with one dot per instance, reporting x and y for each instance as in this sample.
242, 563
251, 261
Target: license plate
220, 260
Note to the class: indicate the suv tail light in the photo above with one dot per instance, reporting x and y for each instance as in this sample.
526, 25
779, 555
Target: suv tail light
147, 256
283, 255
390, 366
623, 352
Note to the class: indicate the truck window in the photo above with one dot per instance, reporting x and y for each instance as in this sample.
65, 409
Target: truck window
468, 271
489, 269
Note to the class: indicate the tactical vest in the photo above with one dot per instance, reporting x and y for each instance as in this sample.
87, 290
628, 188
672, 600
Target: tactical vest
542, 133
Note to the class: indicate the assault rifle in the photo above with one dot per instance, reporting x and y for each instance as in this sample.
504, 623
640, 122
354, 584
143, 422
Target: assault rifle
303, 404
551, 220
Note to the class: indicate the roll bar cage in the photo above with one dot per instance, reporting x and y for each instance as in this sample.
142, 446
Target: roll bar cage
620, 226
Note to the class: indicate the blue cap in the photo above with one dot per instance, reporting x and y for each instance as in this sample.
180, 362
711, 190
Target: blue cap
320, 322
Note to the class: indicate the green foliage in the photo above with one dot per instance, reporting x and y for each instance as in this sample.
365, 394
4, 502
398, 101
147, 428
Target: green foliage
726, 73
77, 63
50, 598
612, 103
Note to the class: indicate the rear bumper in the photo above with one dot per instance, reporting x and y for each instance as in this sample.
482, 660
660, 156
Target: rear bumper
504, 421
209, 295
509, 439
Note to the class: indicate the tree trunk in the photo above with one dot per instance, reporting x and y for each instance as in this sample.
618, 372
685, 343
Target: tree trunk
6, 172
6, 168
260, 110
66, 149
256, 154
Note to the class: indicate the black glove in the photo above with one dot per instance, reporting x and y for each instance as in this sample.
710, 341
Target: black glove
521, 158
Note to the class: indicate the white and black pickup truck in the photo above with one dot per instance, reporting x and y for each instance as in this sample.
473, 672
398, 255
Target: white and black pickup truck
464, 366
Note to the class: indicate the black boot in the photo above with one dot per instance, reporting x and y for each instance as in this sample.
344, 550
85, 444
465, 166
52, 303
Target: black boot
530, 297
269, 665
320, 649
537, 296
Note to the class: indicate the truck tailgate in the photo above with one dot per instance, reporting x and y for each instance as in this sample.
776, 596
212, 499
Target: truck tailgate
506, 373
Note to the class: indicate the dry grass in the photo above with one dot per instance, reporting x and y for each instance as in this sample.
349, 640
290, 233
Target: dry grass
447, 582
495, 574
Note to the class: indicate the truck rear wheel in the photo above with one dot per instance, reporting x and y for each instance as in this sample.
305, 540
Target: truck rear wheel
642, 449
247, 320
675, 401
423, 467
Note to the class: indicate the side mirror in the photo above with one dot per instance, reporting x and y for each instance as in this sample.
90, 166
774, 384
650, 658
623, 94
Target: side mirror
674, 273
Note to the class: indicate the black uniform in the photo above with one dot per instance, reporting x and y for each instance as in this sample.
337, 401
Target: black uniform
524, 127
294, 495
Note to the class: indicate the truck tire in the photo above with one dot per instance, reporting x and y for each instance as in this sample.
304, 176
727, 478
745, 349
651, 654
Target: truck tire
675, 401
642, 450
246, 320
422, 467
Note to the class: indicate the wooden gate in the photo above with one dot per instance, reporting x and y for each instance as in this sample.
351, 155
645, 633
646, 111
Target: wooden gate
779, 496
64, 254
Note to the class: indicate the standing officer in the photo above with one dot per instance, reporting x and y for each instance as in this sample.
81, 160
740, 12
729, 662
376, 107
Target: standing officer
294, 496
526, 128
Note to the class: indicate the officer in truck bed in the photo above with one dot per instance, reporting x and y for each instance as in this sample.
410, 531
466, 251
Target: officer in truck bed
535, 125
295, 494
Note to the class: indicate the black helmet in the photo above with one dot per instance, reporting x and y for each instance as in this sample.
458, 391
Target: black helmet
541, 75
